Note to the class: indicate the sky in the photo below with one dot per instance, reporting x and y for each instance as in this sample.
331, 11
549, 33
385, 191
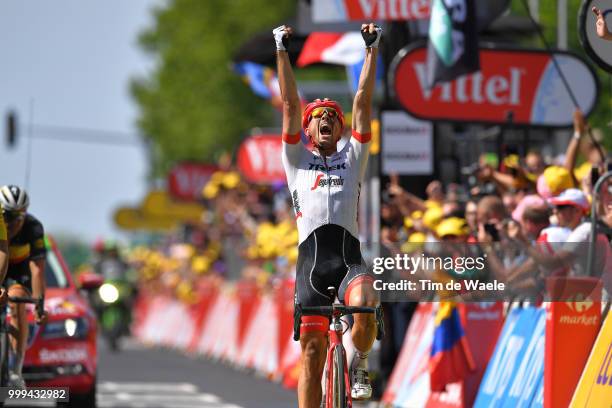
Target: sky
68, 63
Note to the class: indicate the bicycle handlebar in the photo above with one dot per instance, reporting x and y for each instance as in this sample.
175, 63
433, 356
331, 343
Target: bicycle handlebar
39, 302
336, 310
340, 309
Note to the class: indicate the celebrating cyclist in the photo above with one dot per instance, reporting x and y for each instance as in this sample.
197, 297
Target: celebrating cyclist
26, 267
324, 184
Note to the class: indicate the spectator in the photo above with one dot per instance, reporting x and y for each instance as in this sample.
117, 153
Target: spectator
600, 25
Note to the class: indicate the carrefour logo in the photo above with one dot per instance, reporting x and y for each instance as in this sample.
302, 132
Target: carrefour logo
579, 303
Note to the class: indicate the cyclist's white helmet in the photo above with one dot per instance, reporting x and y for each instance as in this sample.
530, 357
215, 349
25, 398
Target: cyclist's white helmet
13, 198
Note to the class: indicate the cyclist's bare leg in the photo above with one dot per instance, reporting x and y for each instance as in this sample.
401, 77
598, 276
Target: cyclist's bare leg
361, 293
19, 325
364, 328
314, 348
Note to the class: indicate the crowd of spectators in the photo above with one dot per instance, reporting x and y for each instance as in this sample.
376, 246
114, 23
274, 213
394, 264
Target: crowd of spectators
530, 217
247, 232
539, 209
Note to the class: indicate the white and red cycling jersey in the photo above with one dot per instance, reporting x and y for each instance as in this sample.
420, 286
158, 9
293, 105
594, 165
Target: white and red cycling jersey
325, 190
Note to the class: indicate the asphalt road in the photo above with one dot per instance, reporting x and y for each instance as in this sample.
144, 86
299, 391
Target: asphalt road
140, 377
158, 378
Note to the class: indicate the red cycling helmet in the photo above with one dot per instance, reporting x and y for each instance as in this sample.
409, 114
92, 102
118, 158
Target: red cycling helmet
318, 103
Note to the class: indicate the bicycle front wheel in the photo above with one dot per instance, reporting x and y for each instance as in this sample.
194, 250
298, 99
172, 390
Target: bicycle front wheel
338, 383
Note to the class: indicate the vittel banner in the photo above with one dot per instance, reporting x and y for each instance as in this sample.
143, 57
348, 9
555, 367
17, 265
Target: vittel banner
325, 11
259, 159
186, 180
523, 83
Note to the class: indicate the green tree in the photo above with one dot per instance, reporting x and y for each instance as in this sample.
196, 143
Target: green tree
192, 106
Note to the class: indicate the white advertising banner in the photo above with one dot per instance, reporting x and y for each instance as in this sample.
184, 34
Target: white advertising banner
407, 144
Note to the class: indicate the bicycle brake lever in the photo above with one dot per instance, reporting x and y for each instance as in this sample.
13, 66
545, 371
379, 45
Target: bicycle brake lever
40, 306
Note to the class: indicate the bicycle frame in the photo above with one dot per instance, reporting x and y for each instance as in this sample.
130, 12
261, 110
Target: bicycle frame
335, 312
335, 339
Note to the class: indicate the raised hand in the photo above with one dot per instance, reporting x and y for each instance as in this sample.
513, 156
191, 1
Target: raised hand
371, 34
281, 36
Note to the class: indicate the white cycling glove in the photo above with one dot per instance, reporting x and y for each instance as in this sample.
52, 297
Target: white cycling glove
372, 39
281, 37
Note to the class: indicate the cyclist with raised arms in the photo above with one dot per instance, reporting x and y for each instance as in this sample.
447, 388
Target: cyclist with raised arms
324, 184
26, 269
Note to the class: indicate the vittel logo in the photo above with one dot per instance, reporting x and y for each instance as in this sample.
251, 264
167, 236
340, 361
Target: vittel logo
476, 88
393, 9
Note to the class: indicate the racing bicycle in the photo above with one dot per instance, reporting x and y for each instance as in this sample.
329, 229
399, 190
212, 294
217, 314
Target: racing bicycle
337, 381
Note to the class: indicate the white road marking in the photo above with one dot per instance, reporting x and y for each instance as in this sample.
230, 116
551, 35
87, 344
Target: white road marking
156, 395
109, 386
144, 395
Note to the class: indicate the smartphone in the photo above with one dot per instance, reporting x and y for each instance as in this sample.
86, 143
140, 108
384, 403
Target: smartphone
492, 231
594, 176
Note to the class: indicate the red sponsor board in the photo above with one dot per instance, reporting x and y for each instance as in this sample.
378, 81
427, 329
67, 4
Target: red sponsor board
259, 159
186, 180
248, 301
524, 82
571, 329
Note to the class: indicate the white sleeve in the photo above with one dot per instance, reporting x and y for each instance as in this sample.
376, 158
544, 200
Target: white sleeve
293, 149
361, 150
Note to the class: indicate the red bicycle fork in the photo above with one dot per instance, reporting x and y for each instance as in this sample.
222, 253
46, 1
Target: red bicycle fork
335, 339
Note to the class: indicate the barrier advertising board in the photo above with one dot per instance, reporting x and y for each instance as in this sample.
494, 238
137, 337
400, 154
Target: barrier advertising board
513, 373
595, 386
409, 383
571, 329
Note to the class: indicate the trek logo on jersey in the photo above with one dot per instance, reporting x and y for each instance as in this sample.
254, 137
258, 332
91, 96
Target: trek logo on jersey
323, 182
296, 204
322, 167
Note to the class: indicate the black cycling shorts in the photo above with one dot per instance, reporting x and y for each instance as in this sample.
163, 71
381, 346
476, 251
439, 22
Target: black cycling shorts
330, 256
23, 279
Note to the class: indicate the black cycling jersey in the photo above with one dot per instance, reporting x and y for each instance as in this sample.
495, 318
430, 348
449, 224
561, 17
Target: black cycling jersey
26, 246
330, 256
